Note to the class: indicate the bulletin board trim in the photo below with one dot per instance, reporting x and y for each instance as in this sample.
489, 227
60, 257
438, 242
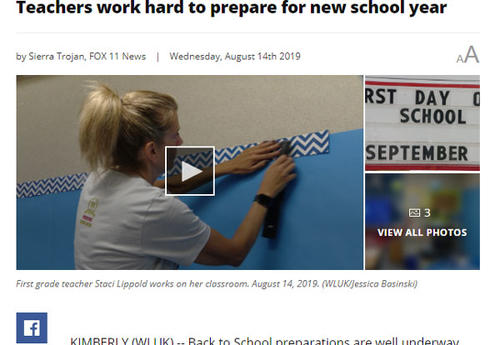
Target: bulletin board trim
302, 145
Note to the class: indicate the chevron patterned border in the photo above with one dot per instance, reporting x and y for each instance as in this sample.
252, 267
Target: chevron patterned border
302, 145
200, 160
309, 144
51, 185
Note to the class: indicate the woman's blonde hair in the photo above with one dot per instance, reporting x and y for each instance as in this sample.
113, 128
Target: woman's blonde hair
113, 129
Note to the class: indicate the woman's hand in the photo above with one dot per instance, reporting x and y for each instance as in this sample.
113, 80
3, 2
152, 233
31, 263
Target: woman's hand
252, 159
277, 176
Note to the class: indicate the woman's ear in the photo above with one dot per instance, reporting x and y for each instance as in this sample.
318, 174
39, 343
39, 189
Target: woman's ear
150, 151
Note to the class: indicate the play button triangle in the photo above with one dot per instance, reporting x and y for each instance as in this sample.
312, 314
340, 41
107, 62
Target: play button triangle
189, 171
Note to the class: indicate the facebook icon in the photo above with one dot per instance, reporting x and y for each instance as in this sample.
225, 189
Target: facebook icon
31, 328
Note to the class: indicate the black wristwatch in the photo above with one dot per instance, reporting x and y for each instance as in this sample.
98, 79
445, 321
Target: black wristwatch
264, 200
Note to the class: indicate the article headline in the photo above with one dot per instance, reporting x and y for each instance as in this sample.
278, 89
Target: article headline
236, 8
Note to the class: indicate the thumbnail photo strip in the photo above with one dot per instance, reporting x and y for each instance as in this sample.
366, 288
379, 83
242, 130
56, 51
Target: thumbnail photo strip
422, 172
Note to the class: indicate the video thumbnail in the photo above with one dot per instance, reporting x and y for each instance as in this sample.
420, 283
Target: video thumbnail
70, 215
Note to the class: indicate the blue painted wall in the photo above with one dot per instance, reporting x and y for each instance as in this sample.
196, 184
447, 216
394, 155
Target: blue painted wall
45, 231
321, 225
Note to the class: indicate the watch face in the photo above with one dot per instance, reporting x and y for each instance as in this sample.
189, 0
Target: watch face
264, 200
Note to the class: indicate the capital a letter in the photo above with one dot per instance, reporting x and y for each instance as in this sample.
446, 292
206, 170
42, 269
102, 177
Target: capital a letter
471, 53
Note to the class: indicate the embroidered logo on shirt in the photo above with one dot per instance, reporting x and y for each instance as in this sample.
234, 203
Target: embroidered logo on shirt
89, 213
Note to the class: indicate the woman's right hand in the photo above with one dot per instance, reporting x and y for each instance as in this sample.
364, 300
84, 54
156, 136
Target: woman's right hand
277, 176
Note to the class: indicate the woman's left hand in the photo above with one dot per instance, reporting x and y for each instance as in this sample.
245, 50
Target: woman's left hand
253, 158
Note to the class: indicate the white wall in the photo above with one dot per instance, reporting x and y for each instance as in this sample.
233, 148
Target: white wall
213, 110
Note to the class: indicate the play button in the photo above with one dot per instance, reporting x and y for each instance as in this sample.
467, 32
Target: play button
189, 171
182, 163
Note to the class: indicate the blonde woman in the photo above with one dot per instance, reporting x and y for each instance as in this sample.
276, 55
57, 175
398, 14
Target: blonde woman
124, 220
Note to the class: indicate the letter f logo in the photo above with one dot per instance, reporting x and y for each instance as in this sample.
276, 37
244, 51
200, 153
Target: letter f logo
31, 328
